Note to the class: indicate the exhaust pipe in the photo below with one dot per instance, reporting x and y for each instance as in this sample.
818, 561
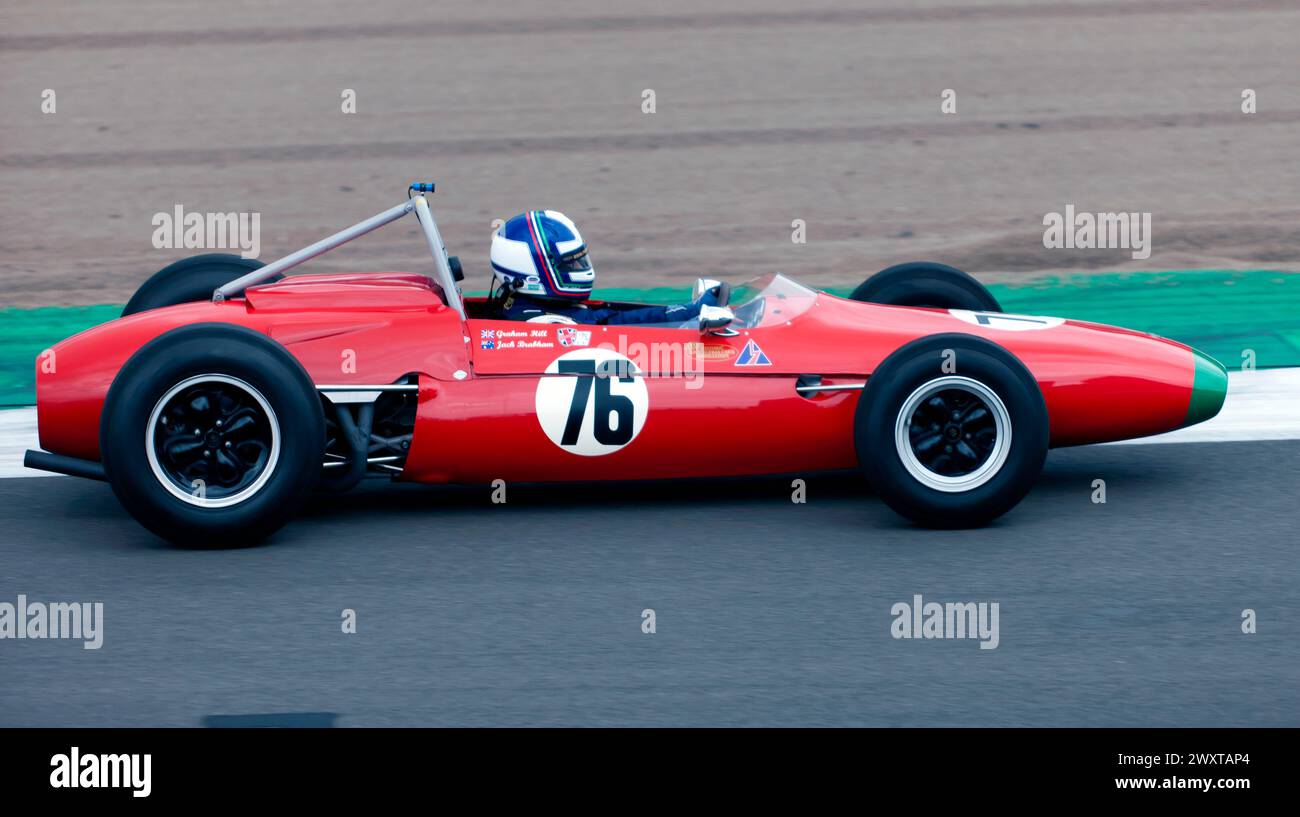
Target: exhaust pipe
59, 464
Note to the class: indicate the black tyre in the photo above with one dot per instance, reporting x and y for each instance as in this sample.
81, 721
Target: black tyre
212, 435
925, 283
951, 431
191, 279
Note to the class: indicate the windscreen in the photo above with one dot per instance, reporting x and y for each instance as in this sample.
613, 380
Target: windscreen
769, 300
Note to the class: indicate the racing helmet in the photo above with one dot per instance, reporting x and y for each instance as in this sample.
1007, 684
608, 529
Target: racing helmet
541, 253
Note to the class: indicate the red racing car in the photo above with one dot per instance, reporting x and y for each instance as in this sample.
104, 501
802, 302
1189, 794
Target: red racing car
226, 393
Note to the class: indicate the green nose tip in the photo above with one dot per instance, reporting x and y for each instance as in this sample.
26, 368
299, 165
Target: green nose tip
1209, 388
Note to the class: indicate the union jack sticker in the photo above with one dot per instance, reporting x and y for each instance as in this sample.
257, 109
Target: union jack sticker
569, 336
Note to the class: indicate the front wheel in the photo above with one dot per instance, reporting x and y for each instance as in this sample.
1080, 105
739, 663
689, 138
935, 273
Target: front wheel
925, 283
951, 431
212, 435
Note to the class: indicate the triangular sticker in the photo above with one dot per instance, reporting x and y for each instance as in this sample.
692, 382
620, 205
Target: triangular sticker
751, 355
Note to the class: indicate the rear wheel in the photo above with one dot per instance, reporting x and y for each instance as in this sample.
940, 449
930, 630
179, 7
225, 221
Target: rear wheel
925, 283
191, 279
212, 435
951, 431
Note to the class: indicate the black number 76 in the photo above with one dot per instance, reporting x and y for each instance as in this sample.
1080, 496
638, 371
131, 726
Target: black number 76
606, 403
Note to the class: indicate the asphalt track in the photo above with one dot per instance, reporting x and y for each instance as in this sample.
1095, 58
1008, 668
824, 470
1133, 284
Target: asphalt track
767, 612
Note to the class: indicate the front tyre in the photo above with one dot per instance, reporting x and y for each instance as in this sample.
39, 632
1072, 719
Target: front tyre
951, 431
925, 283
212, 435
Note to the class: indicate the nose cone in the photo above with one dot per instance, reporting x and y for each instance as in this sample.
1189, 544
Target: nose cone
1209, 388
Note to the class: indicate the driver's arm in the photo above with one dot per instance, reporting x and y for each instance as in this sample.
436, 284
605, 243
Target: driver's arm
678, 313
648, 314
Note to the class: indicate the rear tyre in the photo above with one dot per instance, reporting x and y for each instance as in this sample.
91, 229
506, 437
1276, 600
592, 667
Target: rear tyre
951, 431
191, 279
212, 435
925, 283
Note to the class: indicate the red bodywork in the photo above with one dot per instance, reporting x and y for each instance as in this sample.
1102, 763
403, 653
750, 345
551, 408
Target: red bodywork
478, 408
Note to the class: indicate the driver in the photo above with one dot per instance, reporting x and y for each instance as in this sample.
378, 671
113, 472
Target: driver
541, 272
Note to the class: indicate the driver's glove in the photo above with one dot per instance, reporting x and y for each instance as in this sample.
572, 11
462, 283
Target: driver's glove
715, 317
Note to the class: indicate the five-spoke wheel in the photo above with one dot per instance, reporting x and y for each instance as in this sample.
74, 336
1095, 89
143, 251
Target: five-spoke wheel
953, 433
951, 430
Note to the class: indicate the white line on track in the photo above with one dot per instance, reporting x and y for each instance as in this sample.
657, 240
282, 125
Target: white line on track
1261, 405
17, 434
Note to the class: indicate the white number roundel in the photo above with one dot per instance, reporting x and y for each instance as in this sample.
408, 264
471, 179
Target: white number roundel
1011, 323
592, 402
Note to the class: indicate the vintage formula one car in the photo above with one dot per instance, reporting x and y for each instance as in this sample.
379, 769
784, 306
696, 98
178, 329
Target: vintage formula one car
226, 393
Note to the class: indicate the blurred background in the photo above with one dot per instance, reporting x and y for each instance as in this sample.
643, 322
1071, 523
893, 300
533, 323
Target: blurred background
765, 112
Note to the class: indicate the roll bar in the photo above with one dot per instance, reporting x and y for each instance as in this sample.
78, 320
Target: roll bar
416, 204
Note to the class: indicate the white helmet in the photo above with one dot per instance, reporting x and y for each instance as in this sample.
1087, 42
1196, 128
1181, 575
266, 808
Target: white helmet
542, 254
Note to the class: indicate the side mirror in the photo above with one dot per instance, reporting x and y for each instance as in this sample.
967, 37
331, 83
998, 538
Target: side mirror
713, 318
703, 285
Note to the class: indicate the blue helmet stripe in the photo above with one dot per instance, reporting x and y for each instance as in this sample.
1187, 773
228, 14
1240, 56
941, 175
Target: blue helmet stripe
539, 253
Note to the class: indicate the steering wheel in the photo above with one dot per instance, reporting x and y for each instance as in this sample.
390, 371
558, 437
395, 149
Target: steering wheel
724, 294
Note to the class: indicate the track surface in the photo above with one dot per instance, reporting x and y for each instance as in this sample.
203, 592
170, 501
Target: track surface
767, 612
766, 112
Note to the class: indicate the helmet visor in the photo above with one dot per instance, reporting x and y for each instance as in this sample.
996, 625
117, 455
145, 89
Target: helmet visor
577, 261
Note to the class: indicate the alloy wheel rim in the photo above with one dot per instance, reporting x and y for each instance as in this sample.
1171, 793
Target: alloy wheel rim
212, 440
953, 434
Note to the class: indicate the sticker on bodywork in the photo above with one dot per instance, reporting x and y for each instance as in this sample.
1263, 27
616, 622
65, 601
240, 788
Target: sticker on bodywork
752, 355
1001, 320
599, 408
569, 336
529, 338
709, 351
